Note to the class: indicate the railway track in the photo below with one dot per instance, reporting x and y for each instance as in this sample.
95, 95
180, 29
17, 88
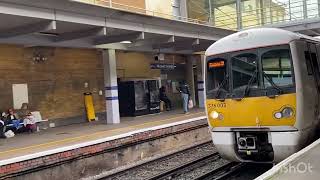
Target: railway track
199, 162
163, 164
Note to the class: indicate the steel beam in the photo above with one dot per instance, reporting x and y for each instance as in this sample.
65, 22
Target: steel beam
314, 32
102, 31
197, 45
182, 44
152, 41
102, 17
28, 29
119, 38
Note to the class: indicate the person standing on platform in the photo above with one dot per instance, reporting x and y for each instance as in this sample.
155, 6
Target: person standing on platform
165, 99
185, 95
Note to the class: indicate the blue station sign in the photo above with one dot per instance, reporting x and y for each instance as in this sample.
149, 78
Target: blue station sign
162, 66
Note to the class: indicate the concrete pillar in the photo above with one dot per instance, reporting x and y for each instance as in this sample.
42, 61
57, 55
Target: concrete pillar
176, 12
239, 14
200, 81
111, 86
305, 9
290, 10
190, 77
183, 9
210, 12
318, 8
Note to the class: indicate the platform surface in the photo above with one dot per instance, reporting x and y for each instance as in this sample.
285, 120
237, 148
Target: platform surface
52, 138
303, 165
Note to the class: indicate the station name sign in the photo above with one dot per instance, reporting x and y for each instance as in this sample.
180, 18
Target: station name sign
162, 66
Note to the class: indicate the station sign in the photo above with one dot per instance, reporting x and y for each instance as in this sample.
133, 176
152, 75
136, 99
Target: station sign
162, 66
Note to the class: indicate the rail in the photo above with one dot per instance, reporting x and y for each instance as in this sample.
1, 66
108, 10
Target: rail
165, 164
269, 13
143, 11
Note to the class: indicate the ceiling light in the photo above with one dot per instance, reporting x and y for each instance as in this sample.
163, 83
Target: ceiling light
125, 42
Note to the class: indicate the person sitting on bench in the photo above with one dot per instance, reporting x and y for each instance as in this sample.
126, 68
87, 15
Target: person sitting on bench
13, 121
30, 122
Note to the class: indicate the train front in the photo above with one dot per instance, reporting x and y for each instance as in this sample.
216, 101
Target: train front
251, 99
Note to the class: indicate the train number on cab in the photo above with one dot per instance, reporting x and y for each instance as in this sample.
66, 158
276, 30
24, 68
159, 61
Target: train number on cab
217, 105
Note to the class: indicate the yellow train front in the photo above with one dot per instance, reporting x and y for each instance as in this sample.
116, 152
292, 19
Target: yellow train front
262, 94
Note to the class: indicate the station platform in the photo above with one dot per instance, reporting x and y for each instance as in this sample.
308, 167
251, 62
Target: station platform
69, 142
304, 164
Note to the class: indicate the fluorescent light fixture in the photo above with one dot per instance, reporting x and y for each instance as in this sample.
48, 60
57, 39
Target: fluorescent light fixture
125, 42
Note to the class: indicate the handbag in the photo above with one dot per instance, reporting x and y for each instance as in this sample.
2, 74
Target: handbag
190, 104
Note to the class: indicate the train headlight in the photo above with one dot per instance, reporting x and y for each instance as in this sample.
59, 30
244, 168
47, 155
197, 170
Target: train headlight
216, 115
285, 113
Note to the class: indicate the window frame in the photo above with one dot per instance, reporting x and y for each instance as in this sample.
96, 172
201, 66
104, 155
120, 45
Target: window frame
261, 90
226, 58
279, 47
233, 54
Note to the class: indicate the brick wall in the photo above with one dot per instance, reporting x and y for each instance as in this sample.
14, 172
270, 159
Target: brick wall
56, 86
135, 65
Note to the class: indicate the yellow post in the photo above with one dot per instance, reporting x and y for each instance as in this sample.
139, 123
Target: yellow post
88, 102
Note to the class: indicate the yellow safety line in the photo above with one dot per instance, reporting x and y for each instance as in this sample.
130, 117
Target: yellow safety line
86, 136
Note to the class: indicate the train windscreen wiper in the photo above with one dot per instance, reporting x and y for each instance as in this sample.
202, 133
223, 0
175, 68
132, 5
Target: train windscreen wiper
247, 89
272, 83
225, 80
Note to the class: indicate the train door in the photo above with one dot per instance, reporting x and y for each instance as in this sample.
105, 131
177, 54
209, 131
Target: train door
312, 59
317, 47
306, 90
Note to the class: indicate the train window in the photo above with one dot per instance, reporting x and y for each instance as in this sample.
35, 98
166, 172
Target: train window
244, 69
217, 73
276, 65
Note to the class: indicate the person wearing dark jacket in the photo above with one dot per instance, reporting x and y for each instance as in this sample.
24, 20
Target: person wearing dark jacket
13, 121
164, 98
2, 127
185, 95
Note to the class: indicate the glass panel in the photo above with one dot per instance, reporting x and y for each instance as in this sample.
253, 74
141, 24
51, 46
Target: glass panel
198, 9
312, 8
154, 91
217, 72
251, 13
141, 92
225, 13
276, 65
244, 67
296, 9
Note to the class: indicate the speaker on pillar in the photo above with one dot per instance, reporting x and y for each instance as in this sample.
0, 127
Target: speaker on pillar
159, 57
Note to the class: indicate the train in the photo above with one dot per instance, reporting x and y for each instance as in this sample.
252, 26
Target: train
262, 89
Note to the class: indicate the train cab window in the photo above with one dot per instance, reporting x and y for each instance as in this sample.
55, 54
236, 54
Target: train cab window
277, 68
217, 75
244, 70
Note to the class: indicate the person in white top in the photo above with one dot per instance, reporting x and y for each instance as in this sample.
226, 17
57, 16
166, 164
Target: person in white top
30, 122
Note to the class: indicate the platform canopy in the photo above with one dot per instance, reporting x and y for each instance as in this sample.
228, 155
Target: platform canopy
62, 23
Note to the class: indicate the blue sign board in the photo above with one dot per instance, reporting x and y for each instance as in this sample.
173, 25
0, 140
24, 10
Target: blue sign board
162, 66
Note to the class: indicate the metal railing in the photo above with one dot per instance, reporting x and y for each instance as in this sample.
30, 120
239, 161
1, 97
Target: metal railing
138, 10
274, 12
